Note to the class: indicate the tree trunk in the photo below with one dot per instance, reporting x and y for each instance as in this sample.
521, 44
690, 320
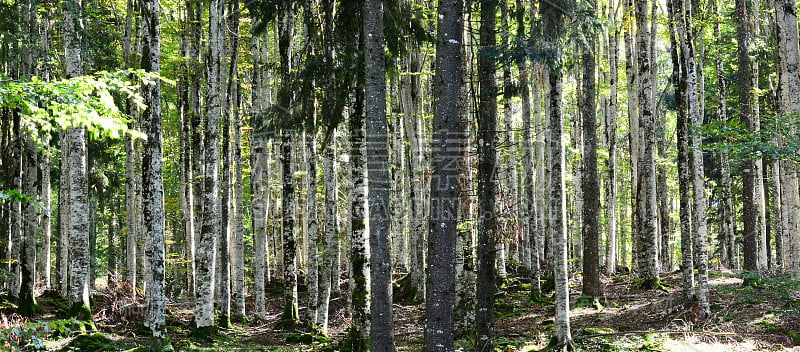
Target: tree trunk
610, 134
259, 178
290, 316
328, 275
447, 148
647, 232
591, 189
62, 254
789, 54
314, 266
553, 29
237, 265
487, 163
152, 178
30, 187
381, 337
684, 169
632, 73
749, 206
78, 190
205, 262
686, 33
45, 216
194, 12
359, 252
415, 163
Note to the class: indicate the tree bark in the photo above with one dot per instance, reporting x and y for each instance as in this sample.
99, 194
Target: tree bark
610, 134
205, 260
487, 184
789, 54
152, 178
553, 29
591, 189
686, 33
447, 147
647, 231
684, 168
290, 316
381, 337
328, 275
749, 206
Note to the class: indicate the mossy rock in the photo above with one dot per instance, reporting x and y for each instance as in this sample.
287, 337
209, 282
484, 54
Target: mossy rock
94, 343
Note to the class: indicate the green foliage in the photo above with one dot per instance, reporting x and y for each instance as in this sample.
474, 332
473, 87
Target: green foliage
94, 342
89, 101
14, 195
32, 335
778, 139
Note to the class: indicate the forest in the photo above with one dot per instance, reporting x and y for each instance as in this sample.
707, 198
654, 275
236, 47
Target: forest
399, 175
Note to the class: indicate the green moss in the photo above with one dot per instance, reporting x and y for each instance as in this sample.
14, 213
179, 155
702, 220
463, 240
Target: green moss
556, 345
354, 341
204, 333
224, 321
81, 312
27, 307
596, 331
95, 342
588, 302
540, 300
289, 318
652, 284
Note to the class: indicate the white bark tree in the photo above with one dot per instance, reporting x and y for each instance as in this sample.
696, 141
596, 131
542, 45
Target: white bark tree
205, 261
152, 178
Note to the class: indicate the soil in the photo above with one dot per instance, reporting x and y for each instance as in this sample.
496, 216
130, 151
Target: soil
762, 317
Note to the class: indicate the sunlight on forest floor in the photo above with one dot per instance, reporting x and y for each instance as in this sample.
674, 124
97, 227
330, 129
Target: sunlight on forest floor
761, 318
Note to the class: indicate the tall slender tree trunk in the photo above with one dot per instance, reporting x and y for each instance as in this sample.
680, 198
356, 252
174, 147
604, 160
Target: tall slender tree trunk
45, 217
749, 206
314, 264
447, 147
152, 178
610, 135
552, 29
591, 189
413, 126
687, 37
205, 260
290, 316
487, 163
381, 335
684, 168
62, 255
259, 178
30, 187
30, 171
328, 274
238, 264
647, 231
632, 74
194, 11
78, 196
789, 57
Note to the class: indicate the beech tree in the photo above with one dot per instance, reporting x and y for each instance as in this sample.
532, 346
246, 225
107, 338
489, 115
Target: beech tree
446, 147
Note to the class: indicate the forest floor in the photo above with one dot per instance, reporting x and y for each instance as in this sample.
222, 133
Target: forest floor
760, 317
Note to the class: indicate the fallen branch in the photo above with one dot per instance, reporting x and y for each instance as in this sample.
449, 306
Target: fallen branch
639, 332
